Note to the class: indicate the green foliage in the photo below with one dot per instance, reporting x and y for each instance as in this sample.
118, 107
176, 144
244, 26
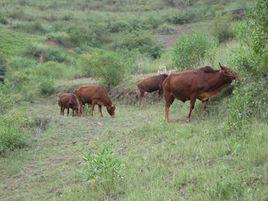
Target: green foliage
92, 35
140, 41
104, 64
12, 135
13, 43
62, 38
3, 19
46, 87
50, 54
254, 104
18, 63
221, 28
103, 169
191, 49
166, 29
33, 27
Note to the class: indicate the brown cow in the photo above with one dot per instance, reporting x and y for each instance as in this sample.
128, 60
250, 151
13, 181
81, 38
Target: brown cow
199, 84
150, 84
95, 95
67, 101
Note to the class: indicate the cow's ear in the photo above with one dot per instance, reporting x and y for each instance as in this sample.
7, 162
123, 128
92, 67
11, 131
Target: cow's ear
220, 65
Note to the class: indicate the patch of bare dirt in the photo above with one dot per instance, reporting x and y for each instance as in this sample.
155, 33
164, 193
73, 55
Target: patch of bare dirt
51, 43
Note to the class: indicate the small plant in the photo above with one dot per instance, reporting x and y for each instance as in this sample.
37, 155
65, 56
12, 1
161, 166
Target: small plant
191, 49
103, 169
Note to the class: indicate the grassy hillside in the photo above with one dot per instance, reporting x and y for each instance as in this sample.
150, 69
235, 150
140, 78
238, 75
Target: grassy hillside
50, 47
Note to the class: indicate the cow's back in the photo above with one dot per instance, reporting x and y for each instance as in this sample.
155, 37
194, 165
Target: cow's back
153, 83
92, 92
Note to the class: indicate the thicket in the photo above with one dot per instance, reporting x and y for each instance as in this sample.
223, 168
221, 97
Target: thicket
106, 65
250, 95
191, 49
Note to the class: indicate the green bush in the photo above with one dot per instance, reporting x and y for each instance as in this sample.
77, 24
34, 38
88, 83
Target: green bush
191, 49
61, 38
141, 41
46, 87
51, 54
3, 19
12, 135
33, 27
103, 64
166, 29
103, 169
254, 104
18, 63
115, 26
221, 28
93, 35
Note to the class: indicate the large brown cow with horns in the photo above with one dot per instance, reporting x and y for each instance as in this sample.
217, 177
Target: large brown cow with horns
195, 84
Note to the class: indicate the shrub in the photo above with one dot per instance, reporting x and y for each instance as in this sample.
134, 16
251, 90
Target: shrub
2, 68
104, 64
182, 17
221, 28
254, 104
191, 49
18, 63
103, 169
51, 54
62, 38
46, 87
115, 26
141, 41
12, 135
3, 19
166, 29
30, 27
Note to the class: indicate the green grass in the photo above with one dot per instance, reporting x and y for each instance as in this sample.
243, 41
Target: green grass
12, 43
176, 161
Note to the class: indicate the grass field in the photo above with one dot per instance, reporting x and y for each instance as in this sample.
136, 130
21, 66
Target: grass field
176, 161
50, 47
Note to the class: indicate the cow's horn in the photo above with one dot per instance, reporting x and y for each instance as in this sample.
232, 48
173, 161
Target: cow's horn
220, 65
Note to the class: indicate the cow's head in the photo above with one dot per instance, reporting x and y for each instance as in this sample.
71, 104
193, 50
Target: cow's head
111, 110
227, 72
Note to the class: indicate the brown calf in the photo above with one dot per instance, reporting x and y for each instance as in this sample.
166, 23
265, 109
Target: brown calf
95, 95
67, 101
199, 84
150, 84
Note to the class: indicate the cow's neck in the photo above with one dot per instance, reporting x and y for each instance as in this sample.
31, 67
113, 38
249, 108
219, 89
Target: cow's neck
218, 81
107, 102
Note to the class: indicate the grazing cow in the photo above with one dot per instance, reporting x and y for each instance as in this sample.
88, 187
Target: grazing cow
95, 95
67, 101
195, 84
150, 84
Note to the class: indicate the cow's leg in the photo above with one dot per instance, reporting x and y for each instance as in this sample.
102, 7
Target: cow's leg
142, 99
204, 104
192, 103
92, 108
100, 110
62, 110
160, 93
168, 101
73, 112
